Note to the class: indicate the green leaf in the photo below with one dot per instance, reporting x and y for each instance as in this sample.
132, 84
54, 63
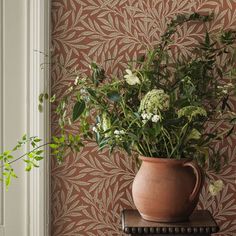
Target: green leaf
62, 139
39, 152
114, 96
7, 166
194, 134
35, 165
91, 92
53, 146
103, 144
46, 96
126, 147
31, 155
7, 153
36, 140
53, 98
78, 109
38, 158
40, 107
41, 96
33, 144
207, 40
28, 167
55, 139
8, 180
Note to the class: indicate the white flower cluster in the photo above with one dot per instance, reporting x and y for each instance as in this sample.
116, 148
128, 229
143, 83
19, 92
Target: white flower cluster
216, 187
84, 94
119, 133
96, 128
149, 116
154, 101
131, 78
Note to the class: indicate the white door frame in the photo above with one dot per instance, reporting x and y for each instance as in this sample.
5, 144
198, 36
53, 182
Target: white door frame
1, 117
38, 180
38, 123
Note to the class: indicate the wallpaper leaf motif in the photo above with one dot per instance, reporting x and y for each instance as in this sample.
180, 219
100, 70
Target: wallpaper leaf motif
90, 189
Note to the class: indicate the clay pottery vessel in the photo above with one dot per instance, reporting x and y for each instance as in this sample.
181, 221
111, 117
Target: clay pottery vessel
167, 190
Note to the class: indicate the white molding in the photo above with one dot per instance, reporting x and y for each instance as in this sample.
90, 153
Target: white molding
1, 116
38, 123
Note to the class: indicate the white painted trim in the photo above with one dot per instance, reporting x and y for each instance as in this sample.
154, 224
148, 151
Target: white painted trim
2, 208
38, 123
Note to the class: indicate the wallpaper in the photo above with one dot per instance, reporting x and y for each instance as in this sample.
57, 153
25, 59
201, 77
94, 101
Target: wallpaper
90, 189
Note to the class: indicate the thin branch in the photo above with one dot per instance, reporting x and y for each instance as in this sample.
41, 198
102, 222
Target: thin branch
20, 157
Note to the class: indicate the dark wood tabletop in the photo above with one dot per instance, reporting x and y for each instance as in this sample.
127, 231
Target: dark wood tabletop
201, 223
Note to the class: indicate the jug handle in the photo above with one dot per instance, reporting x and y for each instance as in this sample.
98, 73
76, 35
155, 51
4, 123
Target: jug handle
198, 173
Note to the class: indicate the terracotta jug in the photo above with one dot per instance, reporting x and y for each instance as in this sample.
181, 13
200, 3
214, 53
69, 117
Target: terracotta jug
167, 190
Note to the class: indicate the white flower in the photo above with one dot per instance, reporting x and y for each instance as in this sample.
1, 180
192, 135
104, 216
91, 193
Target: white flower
94, 129
149, 116
130, 78
117, 132
155, 118
144, 116
144, 121
216, 187
83, 91
155, 100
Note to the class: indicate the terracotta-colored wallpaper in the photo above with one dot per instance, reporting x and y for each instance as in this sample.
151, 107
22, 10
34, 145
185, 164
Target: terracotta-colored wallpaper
90, 189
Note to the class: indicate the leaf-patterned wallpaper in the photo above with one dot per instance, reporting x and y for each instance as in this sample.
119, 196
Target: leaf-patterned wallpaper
89, 189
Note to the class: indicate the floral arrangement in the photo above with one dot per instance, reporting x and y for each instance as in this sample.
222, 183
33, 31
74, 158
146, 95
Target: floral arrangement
161, 107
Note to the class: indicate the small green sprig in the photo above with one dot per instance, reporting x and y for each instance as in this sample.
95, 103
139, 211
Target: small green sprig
62, 143
31, 158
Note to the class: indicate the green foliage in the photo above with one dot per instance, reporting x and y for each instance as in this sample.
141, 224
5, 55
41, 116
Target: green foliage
191, 112
31, 158
42, 97
160, 108
78, 109
61, 144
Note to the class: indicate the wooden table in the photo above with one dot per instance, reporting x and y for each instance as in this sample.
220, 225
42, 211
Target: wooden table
201, 223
